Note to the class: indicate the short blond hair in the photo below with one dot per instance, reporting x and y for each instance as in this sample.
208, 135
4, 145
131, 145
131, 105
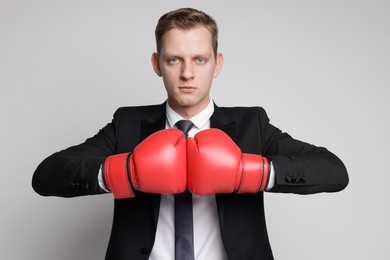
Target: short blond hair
186, 19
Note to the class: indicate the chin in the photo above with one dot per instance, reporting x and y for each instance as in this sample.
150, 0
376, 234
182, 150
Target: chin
186, 102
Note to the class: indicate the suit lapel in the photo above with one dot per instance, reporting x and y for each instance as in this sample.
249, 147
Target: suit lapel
155, 122
220, 120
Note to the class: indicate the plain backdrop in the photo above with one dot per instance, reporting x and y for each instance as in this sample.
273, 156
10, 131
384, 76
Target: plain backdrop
321, 69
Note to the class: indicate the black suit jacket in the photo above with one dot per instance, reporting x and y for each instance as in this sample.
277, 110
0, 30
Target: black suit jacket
300, 168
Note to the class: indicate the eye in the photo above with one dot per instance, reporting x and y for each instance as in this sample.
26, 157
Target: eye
173, 60
201, 60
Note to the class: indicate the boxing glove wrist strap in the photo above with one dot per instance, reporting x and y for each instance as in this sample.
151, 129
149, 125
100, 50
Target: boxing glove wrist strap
116, 175
255, 173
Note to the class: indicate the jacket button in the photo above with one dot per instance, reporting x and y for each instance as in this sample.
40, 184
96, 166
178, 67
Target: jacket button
145, 250
85, 185
288, 179
72, 186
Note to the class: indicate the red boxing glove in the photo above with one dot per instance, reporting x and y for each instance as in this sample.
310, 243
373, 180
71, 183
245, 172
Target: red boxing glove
216, 165
157, 165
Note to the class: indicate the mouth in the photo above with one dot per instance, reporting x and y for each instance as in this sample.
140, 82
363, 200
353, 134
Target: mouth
187, 89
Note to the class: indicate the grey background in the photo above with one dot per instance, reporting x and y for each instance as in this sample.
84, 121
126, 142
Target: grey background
319, 68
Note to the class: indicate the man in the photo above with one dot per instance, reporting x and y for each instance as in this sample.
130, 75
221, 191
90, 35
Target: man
232, 155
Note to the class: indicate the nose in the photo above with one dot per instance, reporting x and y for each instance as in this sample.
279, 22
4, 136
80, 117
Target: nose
187, 71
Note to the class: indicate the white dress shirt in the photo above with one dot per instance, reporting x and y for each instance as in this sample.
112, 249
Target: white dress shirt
207, 235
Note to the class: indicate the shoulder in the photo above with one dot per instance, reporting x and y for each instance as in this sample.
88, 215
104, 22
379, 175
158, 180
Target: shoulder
139, 111
245, 112
242, 109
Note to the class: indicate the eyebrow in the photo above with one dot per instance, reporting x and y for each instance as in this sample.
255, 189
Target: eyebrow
173, 54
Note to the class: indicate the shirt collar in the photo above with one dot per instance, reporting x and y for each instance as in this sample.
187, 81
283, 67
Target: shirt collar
199, 120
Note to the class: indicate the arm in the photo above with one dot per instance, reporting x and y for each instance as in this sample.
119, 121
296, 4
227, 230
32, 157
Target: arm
156, 165
300, 167
217, 165
73, 171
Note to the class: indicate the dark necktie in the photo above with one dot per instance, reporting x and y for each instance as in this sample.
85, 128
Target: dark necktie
184, 228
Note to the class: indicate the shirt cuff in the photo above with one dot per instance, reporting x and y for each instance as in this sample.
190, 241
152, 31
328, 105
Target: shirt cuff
271, 181
101, 180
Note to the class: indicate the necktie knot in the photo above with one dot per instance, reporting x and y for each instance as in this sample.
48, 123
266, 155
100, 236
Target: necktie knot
185, 126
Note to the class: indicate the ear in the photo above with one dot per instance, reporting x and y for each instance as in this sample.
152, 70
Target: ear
156, 64
218, 64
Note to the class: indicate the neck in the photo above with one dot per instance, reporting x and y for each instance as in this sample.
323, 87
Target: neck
188, 112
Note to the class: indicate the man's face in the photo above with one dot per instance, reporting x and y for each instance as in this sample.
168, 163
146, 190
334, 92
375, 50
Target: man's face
187, 64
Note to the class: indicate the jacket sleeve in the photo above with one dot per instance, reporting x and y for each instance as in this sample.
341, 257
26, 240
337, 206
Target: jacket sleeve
300, 167
73, 171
